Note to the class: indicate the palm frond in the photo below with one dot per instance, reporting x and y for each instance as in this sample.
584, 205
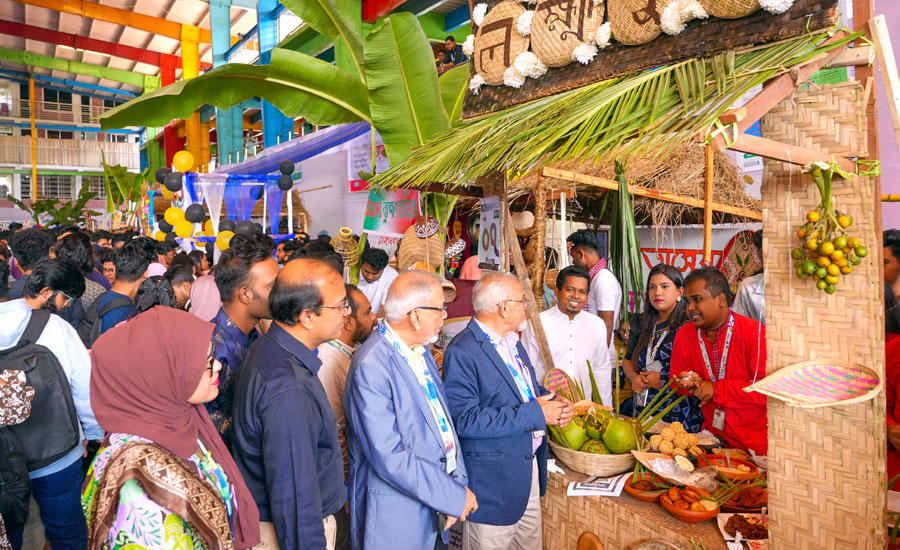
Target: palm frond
649, 113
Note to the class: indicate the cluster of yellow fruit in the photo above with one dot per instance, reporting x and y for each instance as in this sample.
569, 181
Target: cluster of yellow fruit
826, 252
675, 441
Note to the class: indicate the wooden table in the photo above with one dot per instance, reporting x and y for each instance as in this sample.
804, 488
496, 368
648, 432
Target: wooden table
620, 523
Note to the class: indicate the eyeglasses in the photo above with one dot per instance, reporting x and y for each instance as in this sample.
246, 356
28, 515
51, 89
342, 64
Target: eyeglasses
525, 302
68, 298
442, 309
211, 360
345, 306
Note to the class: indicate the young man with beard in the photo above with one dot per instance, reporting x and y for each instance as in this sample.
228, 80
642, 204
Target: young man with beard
336, 354
574, 335
501, 413
53, 285
131, 270
716, 356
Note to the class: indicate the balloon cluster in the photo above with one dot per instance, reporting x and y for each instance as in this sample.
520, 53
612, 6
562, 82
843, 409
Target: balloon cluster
285, 181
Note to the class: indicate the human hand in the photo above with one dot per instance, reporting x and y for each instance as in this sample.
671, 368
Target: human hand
651, 379
893, 433
552, 409
449, 523
704, 391
471, 505
568, 412
84, 455
688, 380
638, 384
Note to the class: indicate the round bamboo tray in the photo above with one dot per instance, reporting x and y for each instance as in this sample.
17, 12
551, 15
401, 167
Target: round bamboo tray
591, 464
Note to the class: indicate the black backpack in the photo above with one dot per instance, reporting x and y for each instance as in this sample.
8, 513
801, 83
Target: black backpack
92, 322
15, 485
52, 430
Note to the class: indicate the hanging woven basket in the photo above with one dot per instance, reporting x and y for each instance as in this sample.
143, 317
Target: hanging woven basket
345, 245
820, 383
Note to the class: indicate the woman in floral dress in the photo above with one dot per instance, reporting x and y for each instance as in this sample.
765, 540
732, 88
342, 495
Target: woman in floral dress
163, 478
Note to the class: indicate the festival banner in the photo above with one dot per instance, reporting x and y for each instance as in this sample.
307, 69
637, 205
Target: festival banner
391, 212
359, 160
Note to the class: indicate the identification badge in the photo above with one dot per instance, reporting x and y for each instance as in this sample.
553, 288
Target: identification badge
539, 434
718, 419
451, 462
641, 398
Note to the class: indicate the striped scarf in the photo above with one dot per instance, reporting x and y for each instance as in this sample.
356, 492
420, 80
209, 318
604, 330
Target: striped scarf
601, 264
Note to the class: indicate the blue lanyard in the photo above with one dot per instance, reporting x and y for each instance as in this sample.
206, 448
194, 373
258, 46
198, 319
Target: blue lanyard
524, 387
651, 350
724, 361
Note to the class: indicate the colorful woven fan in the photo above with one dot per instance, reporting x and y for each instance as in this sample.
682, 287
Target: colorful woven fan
558, 381
820, 383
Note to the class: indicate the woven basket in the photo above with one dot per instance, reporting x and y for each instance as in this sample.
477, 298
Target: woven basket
820, 383
345, 245
552, 40
497, 43
591, 464
635, 22
413, 250
730, 9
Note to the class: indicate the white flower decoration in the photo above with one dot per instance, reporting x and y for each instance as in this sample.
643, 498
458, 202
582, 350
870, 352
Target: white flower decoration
475, 84
693, 10
676, 15
603, 35
528, 65
598, 2
513, 78
468, 46
776, 6
584, 53
523, 23
478, 13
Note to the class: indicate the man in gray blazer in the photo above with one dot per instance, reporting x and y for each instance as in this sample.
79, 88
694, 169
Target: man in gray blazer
407, 476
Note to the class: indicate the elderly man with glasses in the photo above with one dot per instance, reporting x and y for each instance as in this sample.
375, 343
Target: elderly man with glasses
408, 482
501, 413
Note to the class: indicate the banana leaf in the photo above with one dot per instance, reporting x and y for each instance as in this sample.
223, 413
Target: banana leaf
298, 84
404, 97
326, 17
453, 85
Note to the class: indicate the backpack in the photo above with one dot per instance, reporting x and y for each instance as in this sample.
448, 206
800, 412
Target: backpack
92, 322
53, 429
15, 485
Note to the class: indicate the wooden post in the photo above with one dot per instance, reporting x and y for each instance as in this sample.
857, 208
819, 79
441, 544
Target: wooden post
879, 30
531, 312
539, 234
505, 225
707, 209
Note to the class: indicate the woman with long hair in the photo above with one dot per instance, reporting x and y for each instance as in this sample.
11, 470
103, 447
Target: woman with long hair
892, 374
163, 477
649, 350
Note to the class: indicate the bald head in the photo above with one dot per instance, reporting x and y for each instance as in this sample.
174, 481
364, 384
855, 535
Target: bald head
300, 287
410, 290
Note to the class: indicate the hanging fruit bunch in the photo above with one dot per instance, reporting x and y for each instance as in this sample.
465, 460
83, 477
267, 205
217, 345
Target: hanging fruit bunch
826, 250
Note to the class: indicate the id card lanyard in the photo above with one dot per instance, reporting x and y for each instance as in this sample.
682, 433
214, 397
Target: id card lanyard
651, 353
524, 386
718, 414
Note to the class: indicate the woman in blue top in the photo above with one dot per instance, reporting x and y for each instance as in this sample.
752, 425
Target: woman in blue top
649, 349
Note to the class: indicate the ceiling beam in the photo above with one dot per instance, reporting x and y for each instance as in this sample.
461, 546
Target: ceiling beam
421, 7
94, 10
457, 18
78, 42
72, 84
76, 67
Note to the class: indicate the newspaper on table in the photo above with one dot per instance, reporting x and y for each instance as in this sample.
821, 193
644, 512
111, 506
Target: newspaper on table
598, 486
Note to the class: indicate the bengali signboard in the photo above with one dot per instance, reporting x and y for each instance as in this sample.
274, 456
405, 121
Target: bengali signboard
391, 212
523, 55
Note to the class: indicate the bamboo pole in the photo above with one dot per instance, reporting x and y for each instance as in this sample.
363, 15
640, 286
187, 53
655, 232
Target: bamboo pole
31, 109
707, 210
539, 234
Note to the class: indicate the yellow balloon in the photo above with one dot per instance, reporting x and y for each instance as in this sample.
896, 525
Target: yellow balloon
174, 215
223, 241
159, 236
184, 229
183, 161
168, 195
208, 227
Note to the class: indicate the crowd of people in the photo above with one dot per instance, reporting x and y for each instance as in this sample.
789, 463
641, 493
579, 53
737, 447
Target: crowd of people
260, 399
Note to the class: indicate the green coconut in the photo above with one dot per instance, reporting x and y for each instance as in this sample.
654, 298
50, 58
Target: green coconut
619, 436
594, 447
593, 426
574, 433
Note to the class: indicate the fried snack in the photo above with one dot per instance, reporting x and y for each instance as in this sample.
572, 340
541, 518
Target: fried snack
700, 491
674, 494
689, 495
751, 528
681, 504
642, 485
678, 451
695, 450
735, 453
697, 507
752, 497
682, 441
655, 440
668, 434
694, 439
677, 427
666, 447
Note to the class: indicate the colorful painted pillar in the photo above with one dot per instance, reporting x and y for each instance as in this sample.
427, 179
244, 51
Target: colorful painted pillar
197, 141
276, 126
167, 64
229, 122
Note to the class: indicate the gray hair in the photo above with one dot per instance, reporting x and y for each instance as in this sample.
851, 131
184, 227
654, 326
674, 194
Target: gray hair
410, 290
489, 291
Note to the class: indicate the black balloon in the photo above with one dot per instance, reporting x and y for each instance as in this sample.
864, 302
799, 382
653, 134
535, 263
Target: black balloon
170, 238
162, 173
245, 227
226, 225
173, 181
165, 226
195, 213
257, 192
210, 250
286, 167
285, 182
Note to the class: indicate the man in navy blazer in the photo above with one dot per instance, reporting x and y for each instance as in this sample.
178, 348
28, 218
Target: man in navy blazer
501, 414
407, 475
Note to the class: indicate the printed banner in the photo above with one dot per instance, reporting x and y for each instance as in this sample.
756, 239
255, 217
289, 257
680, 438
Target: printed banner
490, 240
391, 212
359, 159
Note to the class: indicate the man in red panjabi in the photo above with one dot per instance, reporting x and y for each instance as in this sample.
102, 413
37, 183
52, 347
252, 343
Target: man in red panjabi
734, 358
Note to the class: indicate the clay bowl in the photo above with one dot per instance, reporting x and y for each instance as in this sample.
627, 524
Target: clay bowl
644, 496
686, 515
721, 463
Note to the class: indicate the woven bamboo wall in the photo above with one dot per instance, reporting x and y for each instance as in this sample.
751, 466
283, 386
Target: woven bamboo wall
827, 474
